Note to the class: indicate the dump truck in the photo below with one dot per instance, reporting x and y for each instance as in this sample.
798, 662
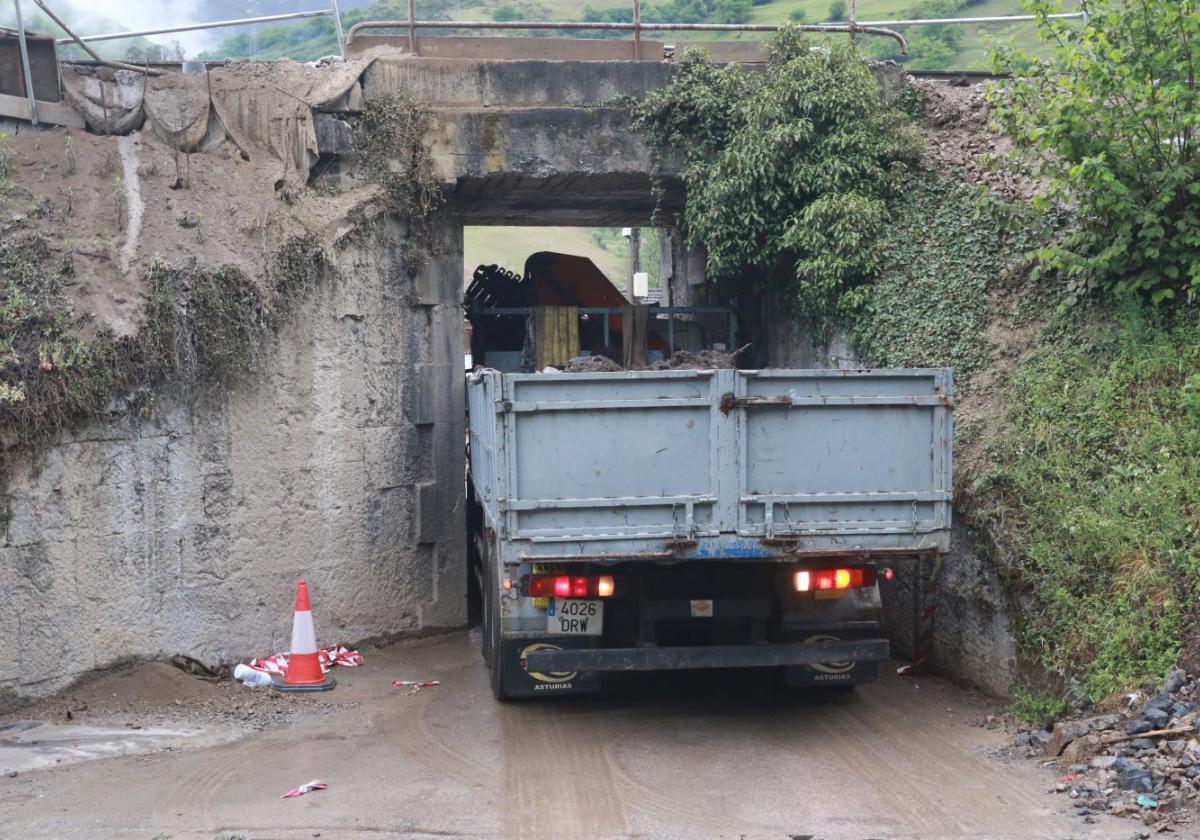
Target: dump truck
682, 519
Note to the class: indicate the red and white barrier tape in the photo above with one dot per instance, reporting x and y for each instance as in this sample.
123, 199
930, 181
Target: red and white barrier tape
327, 656
925, 639
315, 784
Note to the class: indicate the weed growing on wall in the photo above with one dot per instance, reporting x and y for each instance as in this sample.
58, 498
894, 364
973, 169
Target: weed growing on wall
5, 160
1095, 493
201, 326
788, 170
389, 149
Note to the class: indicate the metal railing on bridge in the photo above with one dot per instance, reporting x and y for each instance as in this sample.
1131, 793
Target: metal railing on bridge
852, 27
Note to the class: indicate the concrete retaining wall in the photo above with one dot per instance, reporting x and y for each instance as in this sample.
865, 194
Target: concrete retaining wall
186, 533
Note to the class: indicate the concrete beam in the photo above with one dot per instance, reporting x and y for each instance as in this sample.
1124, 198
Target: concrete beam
499, 48
54, 113
593, 199
437, 82
507, 48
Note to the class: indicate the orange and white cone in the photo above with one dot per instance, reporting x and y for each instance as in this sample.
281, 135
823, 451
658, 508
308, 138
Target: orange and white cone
304, 666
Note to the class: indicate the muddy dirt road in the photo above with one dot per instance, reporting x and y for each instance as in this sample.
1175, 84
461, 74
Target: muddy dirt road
675, 756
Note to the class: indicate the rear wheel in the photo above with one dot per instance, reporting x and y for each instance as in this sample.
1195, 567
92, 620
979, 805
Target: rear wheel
492, 641
474, 559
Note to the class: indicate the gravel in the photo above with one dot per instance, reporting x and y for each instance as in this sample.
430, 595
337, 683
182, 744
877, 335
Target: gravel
1154, 776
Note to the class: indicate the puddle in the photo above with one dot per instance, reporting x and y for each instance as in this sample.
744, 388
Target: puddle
32, 745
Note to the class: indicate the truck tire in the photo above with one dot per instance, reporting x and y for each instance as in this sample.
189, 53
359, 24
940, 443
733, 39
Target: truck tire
485, 605
474, 560
492, 642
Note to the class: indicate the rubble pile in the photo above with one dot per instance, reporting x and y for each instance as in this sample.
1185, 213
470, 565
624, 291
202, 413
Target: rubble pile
1142, 761
703, 360
679, 360
591, 364
955, 124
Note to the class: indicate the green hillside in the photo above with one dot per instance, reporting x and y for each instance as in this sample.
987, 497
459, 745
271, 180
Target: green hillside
950, 47
510, 246
606, 247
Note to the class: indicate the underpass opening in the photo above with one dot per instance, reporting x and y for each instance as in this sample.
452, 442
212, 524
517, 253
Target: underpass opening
541, 296
562, 256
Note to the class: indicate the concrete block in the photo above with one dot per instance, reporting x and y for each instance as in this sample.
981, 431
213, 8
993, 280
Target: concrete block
430, 512
427, 406
334, 136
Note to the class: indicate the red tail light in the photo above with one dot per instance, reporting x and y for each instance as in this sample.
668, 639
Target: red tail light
825, 580
569, 586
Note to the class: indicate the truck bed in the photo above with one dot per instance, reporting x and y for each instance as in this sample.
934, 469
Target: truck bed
712, 464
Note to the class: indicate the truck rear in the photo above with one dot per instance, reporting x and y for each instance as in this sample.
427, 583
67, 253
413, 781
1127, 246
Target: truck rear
653, 520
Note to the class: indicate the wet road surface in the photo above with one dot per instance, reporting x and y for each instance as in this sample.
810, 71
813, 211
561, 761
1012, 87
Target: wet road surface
671, 756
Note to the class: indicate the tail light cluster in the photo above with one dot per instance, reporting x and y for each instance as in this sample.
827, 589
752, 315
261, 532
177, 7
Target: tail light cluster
827, 580
568, 586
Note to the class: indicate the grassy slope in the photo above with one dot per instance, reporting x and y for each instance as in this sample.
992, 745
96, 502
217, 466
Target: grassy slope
1094, 484
1077, 441
971, 56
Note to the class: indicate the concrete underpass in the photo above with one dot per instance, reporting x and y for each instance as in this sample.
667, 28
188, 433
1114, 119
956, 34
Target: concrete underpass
183, 533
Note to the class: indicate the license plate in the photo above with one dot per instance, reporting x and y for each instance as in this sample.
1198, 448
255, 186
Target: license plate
571, 617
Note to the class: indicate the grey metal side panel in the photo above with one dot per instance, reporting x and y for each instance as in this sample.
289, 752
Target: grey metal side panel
484, 428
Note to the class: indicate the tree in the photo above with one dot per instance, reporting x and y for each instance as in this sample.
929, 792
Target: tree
798, 16
837, 10
928, 52
143, 51
1112, 123
787, 170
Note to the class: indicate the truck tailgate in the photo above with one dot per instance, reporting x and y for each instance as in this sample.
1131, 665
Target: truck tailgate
719, 463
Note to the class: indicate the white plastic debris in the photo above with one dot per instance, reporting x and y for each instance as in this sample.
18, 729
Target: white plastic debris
248, 676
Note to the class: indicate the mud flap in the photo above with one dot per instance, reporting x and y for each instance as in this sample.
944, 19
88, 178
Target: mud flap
519, 682
831, 673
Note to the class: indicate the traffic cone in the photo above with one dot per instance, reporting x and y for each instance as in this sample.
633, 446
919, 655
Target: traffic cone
304, 668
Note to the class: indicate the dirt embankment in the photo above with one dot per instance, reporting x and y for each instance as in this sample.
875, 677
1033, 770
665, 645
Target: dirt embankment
211, 169
155, 693
961, 143
164, 244
955, 124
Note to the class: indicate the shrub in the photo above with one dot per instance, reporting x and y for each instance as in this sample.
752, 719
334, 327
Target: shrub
1111, 122
503, 13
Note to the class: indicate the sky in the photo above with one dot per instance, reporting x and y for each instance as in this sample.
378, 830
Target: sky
134, 15
146, 14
